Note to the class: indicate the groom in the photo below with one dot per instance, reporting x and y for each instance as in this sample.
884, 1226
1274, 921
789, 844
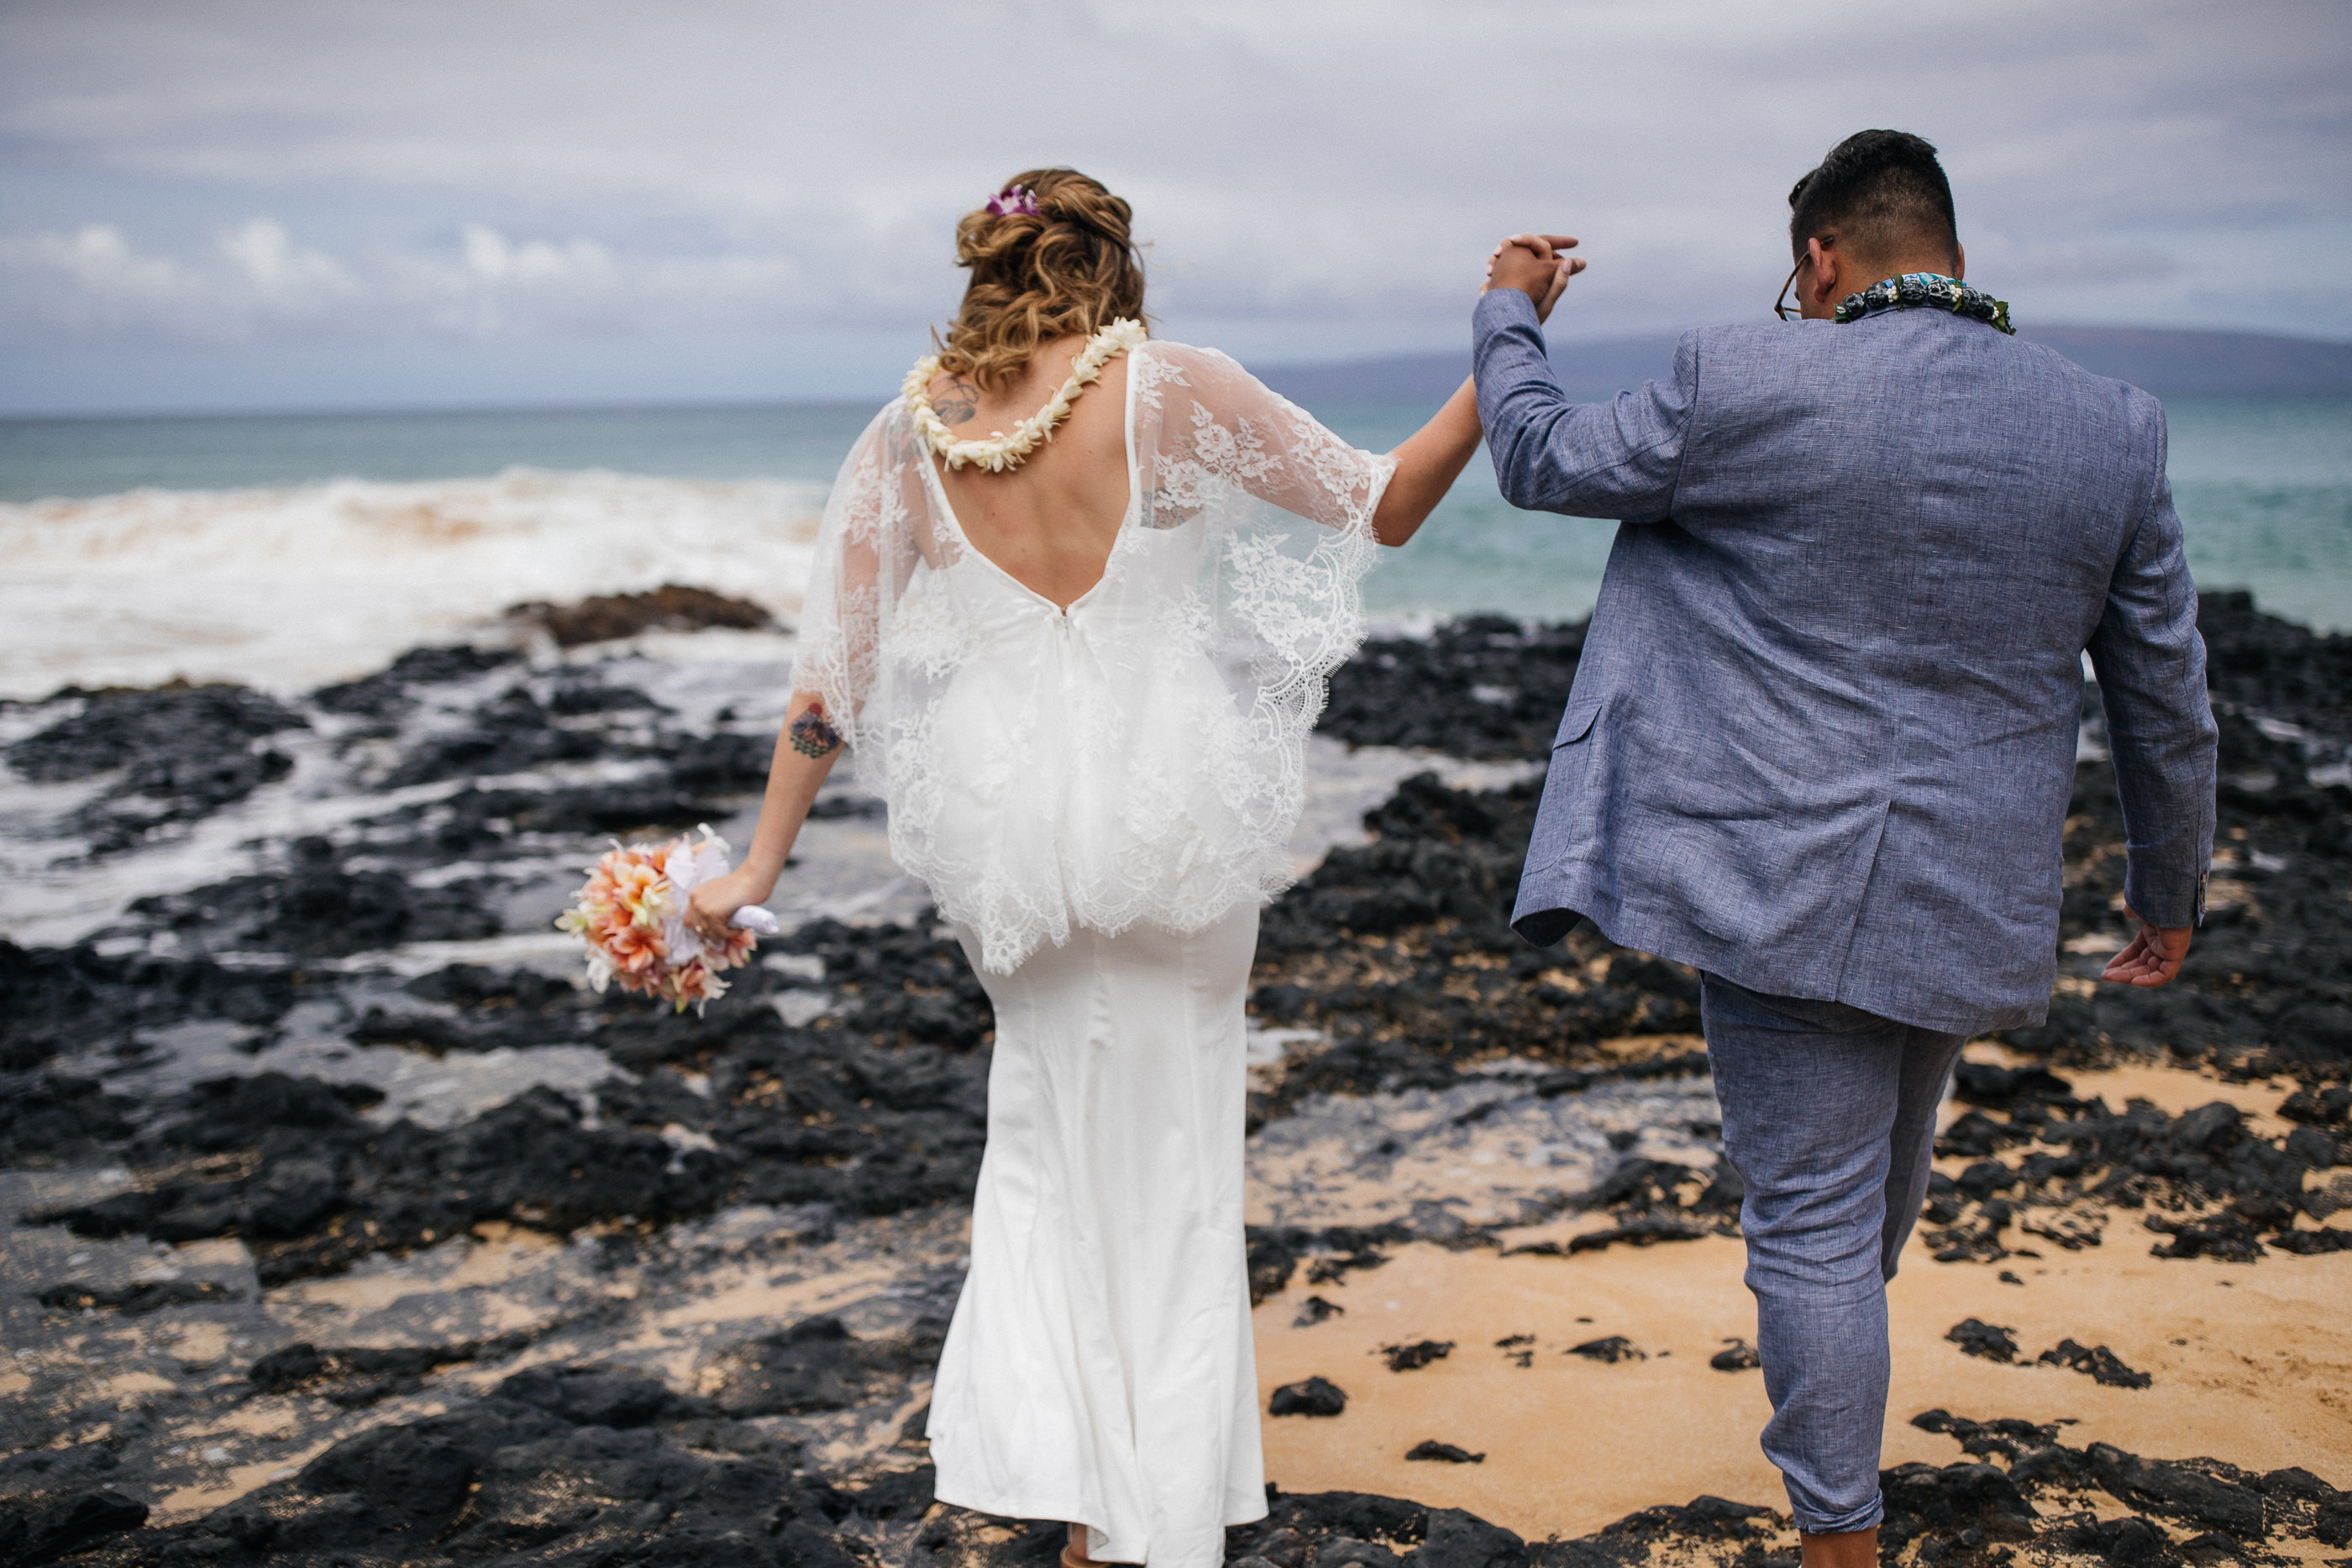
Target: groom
1822, 741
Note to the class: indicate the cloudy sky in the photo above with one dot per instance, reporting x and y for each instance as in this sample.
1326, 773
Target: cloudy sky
375, 202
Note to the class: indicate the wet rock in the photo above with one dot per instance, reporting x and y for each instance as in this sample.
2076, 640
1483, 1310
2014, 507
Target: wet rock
1271, 1265
49, 1119
486, 823
1333, 1269
510, 732
1443, 1453
2322, 1107
385, 694
2097, 1362
1401, 951
1989, 1340
184, 752
1704, 1518
592, 1395
1316, 1396
1740, 1357
1347, 1552
1481, 686
2313, 1243
2127, 1542
1410, 1357
1612, 1351
353, 1377
818, 1365
56, 1000
319, 908
1454, 1538
902, 984
1315, 1310
327, 1186
137, 1299
1985, 1084
2201, 1492
1923, 1499
1298, 1524
2225, 1237
68, 1527
2219, 1186
495, 1479
670, 608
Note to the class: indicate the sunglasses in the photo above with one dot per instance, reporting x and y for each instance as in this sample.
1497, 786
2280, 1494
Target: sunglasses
1782, 307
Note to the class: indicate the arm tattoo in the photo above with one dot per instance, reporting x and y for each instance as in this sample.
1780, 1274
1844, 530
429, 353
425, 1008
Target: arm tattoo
959, 402
812, 734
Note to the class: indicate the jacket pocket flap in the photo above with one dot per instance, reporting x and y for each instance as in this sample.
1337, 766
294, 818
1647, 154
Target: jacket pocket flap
1577, 722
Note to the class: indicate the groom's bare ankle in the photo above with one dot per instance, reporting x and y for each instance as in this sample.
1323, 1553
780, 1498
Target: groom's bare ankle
1845, 1549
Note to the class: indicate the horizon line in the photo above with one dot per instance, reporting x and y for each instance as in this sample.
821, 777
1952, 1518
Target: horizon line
785, 401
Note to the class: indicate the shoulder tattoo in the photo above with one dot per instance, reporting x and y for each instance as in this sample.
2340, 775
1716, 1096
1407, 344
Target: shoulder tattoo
957, 402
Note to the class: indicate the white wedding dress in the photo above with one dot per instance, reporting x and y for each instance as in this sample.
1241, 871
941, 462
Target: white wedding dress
1100, 800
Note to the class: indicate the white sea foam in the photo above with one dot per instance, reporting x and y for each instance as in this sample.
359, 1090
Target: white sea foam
286, 589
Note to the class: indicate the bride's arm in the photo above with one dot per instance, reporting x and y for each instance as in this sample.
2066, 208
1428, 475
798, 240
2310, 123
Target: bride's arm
806, 747
867, 550
1427, 463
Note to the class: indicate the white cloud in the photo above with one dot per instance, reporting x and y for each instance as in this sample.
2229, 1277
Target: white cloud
256, 277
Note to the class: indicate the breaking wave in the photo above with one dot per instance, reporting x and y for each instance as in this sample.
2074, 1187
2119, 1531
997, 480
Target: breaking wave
288, 588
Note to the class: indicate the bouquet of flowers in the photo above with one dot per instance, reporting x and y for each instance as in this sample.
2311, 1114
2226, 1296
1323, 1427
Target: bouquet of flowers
632, 916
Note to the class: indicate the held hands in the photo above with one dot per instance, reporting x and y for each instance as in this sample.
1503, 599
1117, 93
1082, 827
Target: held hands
2153, 958
1535, 266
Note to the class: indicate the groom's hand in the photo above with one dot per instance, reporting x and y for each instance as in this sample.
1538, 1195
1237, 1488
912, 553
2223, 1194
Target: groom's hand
2153, 958
1534, 265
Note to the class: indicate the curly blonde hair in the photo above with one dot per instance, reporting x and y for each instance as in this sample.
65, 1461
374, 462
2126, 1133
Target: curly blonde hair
1070, 267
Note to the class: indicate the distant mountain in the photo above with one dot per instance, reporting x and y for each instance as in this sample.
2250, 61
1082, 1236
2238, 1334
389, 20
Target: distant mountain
2168, 363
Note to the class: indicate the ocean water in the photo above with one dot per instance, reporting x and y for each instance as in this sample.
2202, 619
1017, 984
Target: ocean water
287, 551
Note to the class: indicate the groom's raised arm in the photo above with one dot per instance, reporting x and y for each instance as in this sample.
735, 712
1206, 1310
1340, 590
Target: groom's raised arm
1619, 459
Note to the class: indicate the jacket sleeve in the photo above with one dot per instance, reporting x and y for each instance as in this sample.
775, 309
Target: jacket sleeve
2150, 664
1620, 459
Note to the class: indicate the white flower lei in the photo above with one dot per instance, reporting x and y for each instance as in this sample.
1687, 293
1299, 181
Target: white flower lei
1004, 450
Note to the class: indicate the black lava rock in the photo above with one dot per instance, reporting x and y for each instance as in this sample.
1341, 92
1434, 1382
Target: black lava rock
1740, 1357
1979, 1338
2098, 1363
137, 1299
1612, 1350
1316, 1396
818, 1365
1443, 1453
1410, 1357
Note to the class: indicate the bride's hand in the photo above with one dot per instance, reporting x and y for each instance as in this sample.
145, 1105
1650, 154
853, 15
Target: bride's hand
710, 906
1534, 265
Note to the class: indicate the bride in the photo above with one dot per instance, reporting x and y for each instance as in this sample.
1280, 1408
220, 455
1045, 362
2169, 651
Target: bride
1076, 596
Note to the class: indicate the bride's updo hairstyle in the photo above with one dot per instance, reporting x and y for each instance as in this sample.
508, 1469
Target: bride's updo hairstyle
1069, 267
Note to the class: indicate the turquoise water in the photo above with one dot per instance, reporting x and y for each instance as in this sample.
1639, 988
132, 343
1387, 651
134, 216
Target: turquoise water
2264, 485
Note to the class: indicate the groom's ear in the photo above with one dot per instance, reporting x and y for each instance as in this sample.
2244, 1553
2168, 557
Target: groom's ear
1823, 285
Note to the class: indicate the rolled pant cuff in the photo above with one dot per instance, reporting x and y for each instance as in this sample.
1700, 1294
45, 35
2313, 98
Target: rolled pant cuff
1864, 1518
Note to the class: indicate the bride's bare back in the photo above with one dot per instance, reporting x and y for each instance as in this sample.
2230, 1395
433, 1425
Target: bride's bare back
1051, 522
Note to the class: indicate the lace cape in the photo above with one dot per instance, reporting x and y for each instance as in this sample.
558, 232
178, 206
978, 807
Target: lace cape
1141, 758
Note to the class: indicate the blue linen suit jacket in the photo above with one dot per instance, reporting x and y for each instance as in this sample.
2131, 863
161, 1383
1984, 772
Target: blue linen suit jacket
1823, 737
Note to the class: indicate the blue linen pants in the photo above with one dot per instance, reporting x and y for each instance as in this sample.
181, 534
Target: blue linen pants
1829, 1116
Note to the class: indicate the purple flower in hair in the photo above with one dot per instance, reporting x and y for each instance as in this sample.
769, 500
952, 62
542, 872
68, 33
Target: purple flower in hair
1013, 201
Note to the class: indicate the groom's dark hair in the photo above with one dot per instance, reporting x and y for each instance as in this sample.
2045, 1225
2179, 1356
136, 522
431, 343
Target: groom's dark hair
1881, 193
